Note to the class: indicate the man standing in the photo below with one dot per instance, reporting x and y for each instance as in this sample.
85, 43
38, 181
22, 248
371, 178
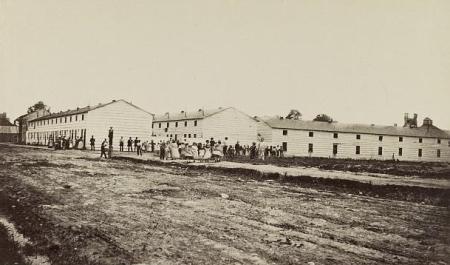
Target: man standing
121, 144
135, 143
103, 149
110, 135
162, 150
138, 147
130, 145
92, 143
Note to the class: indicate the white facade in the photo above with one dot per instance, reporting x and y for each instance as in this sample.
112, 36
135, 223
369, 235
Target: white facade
357, 145
126, 119
206, 124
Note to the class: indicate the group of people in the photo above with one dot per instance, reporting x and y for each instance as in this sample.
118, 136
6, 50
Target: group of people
175, 149
63, 143
133, 145
211, 149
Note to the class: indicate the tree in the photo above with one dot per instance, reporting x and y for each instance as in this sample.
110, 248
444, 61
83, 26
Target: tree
294, 115
323, 118
37, 106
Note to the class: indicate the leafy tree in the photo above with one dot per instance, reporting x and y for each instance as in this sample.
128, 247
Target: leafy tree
37, 106
294, 115
323, 118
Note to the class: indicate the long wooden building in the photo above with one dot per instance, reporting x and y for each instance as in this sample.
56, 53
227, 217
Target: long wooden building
204, 124
357, 141
126, 119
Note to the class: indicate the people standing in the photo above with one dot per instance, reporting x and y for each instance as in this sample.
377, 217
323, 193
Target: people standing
121, 144
103, 149
130, 145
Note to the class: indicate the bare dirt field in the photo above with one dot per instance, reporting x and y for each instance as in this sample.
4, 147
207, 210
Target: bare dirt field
77, 209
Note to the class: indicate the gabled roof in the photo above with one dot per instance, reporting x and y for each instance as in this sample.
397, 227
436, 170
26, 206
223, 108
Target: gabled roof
84, 110
423, 131
5, 122
192, 115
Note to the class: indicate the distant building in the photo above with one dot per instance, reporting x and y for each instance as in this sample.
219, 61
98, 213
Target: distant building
126, 119
357, 141
22, 123
203, 124
8, 131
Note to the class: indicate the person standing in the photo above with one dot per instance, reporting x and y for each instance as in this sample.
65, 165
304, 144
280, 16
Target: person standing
225, 147
152, 146
92, 143
138, 147
110, 136
162, 150
121, 144
135, 143
130, 145
103, 149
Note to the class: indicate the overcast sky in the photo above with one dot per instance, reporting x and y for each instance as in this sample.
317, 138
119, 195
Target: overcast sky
359, 61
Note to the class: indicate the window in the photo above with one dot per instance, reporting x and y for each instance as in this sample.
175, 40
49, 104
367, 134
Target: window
76, 117
284, 146
380, 138
189, 135
400, 151
185, 135
380, 151
358, 136
70, 118
358, 150
195, 123
153, 125
420, 140
159, 125
311, 134
438, 153
310, 148
420, 153
171, 136
56, 121
335, 135
439, 141
185, 124
167, 125
52, 121
448, 143
400, 139
195, 135
284, 132
65, 119
335, 149
176, 124
82, 117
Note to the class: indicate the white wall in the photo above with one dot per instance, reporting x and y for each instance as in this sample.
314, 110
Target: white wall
180, 131
233, 124
298, 140
126, 120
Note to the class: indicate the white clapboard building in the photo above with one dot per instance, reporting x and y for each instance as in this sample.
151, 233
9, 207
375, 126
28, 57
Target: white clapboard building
357, 141
204, 124
126, 119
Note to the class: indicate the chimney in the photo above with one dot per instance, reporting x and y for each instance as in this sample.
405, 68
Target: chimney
427, 122
406, 118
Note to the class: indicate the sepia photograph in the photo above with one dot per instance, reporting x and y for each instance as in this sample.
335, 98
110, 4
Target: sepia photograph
261, 132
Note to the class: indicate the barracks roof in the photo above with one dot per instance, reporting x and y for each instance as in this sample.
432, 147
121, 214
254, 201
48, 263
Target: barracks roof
82, 110
425, 131
192, 115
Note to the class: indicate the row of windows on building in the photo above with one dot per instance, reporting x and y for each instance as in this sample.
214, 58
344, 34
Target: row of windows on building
65, 119
175, 124
358, 150
51, 135
358, 137
186, 135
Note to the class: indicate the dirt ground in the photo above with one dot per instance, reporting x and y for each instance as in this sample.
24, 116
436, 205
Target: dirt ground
77, 209
398, 168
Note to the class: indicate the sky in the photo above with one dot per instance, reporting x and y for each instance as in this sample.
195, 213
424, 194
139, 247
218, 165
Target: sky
359, 61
